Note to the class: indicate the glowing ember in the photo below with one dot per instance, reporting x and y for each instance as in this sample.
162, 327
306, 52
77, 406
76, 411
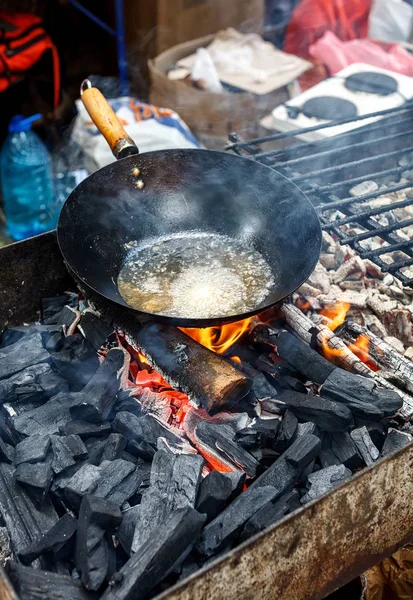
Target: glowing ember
361, 349
219, 339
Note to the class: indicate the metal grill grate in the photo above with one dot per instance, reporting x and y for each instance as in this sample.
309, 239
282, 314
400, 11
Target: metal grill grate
378, 223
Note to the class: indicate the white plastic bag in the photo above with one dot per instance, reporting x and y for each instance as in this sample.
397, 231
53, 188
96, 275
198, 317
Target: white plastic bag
390, 21
204, 70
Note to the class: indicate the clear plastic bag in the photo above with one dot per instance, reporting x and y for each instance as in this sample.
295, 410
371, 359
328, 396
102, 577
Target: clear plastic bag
390, 21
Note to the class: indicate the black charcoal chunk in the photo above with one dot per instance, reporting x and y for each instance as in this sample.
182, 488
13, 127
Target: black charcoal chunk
118, 482
37, 479
62, 457
140, 449
75, 444
51, 307
365, 445
7, 452
76, 360
45, 419
32, 449
25, 523
237, 480
286, 432
98, 397
214, 494
114, 447
95, 447
346, 451
94, 329
127, 527
219, 439
85, 429
26, 352
174, 483
168, 547
261, 388
327, 414
35, 584
300, 355
322, 481
57, 541
356, 391
34, 384
228, 524
265, 456
395, 440
287, 468
270, 513
81, 483
96, 517
306, 428
326, 456
68, 318
143, 429
261, 434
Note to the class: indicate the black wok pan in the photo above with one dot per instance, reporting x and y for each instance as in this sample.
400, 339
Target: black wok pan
185, 191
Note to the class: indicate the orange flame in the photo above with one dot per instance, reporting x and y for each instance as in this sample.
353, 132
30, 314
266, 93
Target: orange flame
361, 349
219, 339
236, 359
336, 314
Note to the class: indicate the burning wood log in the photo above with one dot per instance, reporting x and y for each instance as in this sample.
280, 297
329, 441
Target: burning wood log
384, 354
321, 335
208, 379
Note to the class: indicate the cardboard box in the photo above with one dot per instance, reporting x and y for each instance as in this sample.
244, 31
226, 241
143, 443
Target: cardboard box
207, 114
153, 26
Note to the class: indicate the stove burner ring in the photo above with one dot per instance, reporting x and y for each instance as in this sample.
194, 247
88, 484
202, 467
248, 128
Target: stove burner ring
371, 83
329, 108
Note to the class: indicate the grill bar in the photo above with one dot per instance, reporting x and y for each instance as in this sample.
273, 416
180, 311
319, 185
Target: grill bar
326, 170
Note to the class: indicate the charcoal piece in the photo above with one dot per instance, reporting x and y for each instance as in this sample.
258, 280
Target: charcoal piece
85, 429
327, 414
166, 550
377, 431
286, 432
45, 419
114, 447
174, 483
395, 440
359, 408
51, 307
94, 329
75, 445
326, 456
270, 513
96, 517
25, 523
324, 480
68, 318
306, 428
54, 341
32, 449
128, 403
143, 429
346, 451
95, 447
57, 541
37, 479
33, 384
98, 397
81, 483
219, 437
141, 449
62, 456
7, 452
35, 584
343, 386
214, 494
265, 456
118, 482
26, 352
189, 567
261, 434
365, 445
76, 360
228, 524
292, 383
11, 335
287, 468
303, 358
127, 528
261, 388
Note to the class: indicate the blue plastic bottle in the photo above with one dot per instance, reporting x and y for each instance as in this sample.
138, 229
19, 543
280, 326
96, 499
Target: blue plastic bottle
26, 181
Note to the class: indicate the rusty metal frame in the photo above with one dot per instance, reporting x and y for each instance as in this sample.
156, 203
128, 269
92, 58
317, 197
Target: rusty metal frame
309, 553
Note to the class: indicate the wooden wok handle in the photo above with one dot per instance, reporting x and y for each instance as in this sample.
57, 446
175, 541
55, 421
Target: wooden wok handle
106, 121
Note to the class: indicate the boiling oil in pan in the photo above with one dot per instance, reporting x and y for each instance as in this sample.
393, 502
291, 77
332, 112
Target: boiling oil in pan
197, 276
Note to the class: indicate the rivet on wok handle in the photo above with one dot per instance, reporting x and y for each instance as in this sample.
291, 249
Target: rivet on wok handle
106, 121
